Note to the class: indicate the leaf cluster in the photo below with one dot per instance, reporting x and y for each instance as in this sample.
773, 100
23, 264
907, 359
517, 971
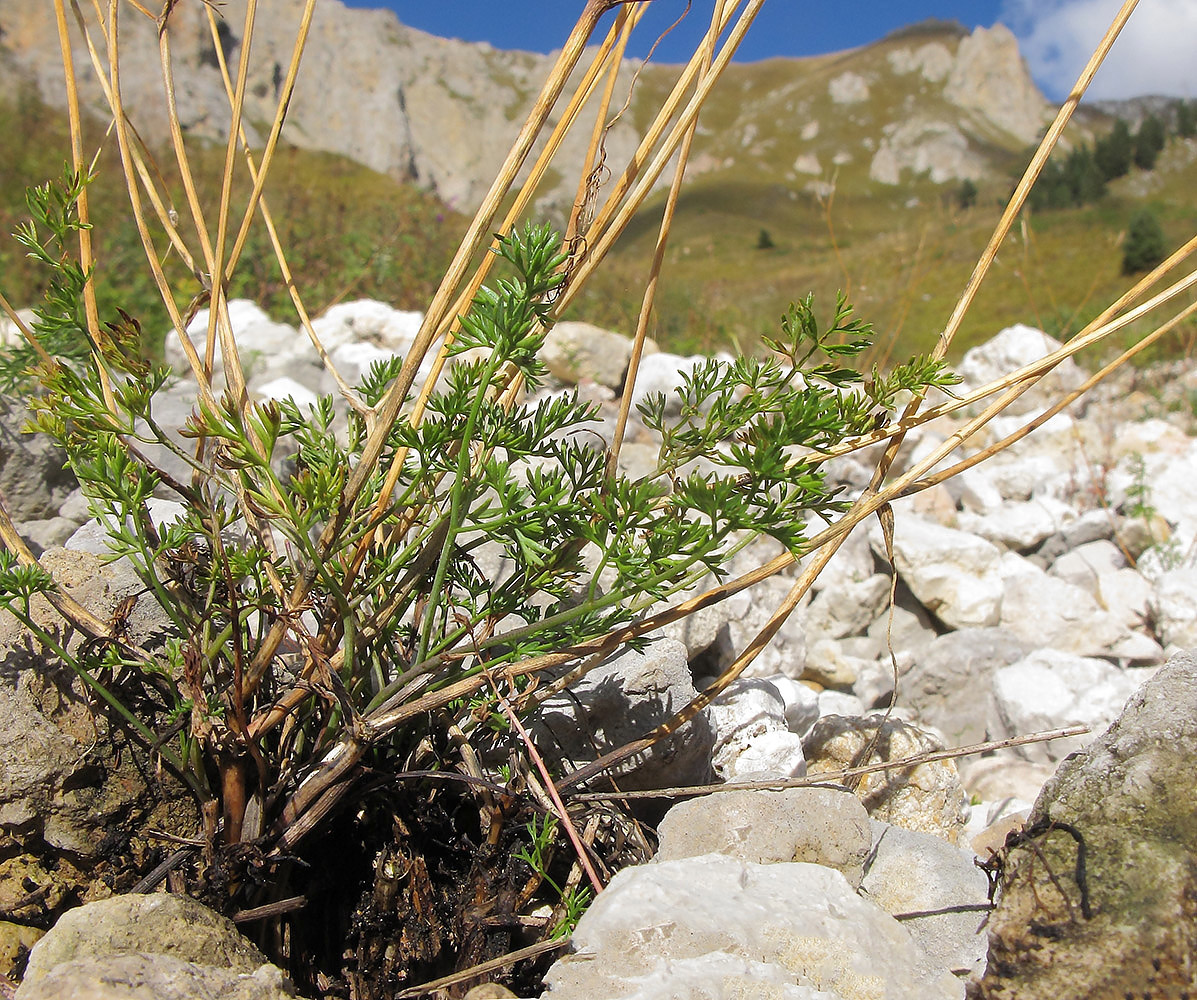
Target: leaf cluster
489, 530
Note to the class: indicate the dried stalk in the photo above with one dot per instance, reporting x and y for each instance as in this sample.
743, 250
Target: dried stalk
835, 777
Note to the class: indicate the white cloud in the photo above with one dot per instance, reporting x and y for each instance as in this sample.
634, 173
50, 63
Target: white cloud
1154, 54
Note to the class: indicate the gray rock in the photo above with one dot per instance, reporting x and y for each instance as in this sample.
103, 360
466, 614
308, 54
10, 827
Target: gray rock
159, 924
46, 533
574, 351
714, 636
1088, 526
1129, 929
911, 630
93, 537
822, 826
623, 698
926, 797
64, 782
953, 574
1050, 689
948, 685
717, 926
155, 977
935, 890
34, 480
1174, 607
845, 609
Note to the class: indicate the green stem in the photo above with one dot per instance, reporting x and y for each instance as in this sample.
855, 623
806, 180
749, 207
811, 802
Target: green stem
457, 500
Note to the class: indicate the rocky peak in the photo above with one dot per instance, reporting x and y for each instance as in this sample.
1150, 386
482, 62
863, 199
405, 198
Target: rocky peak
991, 78
442, 112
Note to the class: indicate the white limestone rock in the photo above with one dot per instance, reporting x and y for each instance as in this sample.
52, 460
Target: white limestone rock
776, 753
848, 88
953, 574
1013, 348
287, 388
715, 926
574, 351
663, 373
1174, 607
367, 321
1051, 689
1085, 564
261, 342
1050, 612
932, 60
919, 145
801, 702
822, 826
918, 873
1127, 595
749, 719
1019, 525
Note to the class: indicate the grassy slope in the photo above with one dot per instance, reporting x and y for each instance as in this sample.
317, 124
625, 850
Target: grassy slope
349, 232
903, 253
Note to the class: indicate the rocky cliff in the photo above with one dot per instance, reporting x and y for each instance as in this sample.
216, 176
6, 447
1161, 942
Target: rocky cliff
443, 112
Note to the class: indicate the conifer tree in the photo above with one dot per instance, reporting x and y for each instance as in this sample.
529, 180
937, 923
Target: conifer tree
1149, 140
1144, 246
1115, 151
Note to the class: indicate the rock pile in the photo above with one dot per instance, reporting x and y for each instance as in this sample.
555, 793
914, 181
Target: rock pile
1040, 589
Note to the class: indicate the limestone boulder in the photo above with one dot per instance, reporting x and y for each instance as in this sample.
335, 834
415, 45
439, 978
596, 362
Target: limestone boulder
680, 930
935, 889
1050, 689
1012, 349
1097, 897
367, 321
1020, 525
1050, 612
1173, 606
947, 683
622, 699
156, 947
953, 574
924, 797
155, 977
821, 826
574, 351
990, 76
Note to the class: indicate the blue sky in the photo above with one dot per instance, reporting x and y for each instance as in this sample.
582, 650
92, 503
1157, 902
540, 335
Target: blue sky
1155, 54
783, 28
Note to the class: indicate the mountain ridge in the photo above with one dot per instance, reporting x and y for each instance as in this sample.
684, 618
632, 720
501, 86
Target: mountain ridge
442, 112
